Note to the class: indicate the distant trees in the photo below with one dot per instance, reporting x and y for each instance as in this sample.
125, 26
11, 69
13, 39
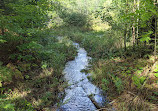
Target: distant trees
136, 18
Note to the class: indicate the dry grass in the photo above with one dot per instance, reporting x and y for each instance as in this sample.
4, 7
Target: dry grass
128, 101
138, 80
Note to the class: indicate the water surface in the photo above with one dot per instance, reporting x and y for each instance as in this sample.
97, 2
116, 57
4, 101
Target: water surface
81, 95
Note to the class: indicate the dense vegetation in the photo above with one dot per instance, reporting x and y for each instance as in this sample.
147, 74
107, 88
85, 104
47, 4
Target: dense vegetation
120, 36
32, 59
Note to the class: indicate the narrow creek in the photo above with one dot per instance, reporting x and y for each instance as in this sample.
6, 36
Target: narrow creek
81, 95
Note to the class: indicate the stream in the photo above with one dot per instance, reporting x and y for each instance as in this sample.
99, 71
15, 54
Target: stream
81, 95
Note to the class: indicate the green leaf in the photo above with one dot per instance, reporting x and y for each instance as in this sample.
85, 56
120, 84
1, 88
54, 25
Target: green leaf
156, 93
9, 106
143, 39
139, 71
128, 71
0, 83
2, 41
142, 79
156, 75
146, 36
136, 81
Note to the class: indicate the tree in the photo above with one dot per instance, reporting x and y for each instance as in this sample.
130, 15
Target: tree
20, 20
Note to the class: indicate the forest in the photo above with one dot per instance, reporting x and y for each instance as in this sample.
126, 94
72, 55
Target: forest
36, 42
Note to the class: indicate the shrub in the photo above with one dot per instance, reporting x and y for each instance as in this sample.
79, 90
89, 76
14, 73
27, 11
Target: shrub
6, 105
5, 74
75, 19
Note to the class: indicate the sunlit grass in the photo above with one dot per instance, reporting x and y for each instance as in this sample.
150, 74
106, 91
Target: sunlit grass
98, 25
133, 73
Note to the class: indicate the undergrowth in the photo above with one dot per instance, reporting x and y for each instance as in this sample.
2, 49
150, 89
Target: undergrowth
31, 75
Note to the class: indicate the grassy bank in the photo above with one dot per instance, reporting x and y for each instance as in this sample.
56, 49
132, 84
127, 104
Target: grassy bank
129, 78
31, 77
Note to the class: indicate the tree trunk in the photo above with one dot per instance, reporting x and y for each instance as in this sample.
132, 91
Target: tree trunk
2, 31
133, 34
137, 22
155, 36
133, 26
155, 2
125, 32
125, 37
2, 6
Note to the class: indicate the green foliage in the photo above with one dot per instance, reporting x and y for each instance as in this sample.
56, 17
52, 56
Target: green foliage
23, 105
156, 71
47, 98
128, 71
29, 51
6, 105
105, 84
139, 71
118, 83
26, 42
138, 81
146, 37
5, 74
75, 19
156, 75
153, 97
2, 40
156, 68
98, 44
19, 23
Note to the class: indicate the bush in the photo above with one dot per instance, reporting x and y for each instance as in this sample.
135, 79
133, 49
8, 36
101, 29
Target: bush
6, 105
5, 74
75, 19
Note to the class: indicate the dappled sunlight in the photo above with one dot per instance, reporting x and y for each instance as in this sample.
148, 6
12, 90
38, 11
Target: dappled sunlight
107, 3
152, 86
116, 71
98, 25
65, 40
37, 40
38, 91
16, 93
134, 76
45, 73
36, 102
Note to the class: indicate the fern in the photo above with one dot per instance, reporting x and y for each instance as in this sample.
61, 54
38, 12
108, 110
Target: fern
118, 84
138, 81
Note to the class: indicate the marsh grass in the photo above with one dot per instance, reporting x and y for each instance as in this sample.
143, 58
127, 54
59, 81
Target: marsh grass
124, 76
